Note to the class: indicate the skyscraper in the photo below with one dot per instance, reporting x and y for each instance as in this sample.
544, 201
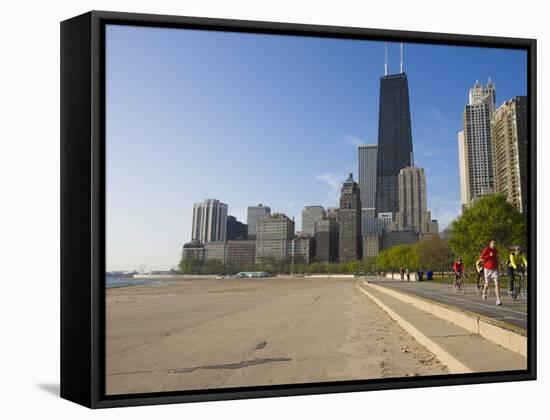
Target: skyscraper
349, 221
326, 240
372, 244
413, 210
209, 221
463, 170
215, 251
241, 253
311, 215
332, 213
475, 151
235, 229
301, 249
367, 179
273, 235
394, 140
253, 215
509, 147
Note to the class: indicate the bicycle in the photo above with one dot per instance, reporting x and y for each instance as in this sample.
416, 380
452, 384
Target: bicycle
520, 286
459, 285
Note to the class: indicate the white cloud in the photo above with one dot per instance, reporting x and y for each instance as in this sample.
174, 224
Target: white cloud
444, 210
333, 184
331, 180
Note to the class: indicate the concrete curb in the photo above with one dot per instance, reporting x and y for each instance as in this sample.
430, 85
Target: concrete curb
453, 364
508, 336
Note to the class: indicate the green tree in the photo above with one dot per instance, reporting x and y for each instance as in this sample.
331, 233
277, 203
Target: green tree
369, 264
190, 266
489, 218
354, 267
212, 267
392, 259
383, 260
434, 253
333, 268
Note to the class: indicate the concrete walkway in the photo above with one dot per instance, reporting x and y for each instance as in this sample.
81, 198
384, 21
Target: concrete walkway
512, 311
459, 349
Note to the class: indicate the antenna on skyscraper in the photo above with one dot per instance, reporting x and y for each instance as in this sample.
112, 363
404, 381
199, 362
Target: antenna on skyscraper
385, 58
401, 47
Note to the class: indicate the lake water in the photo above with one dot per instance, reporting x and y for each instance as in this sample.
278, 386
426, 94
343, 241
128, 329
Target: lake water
112, 282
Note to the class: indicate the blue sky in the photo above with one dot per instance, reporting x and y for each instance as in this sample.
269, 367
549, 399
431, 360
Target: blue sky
248, 118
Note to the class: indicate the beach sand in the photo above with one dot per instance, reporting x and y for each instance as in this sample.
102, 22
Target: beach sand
223, 333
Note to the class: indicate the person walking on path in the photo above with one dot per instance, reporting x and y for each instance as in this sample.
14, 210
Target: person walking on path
408, 273
402, 274
516, 262
489, 256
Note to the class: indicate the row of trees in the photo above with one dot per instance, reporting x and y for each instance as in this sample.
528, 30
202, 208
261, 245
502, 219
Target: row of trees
273, 266
431, 253
491, 217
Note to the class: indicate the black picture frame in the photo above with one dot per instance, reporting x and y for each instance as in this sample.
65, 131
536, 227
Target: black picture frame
83, 207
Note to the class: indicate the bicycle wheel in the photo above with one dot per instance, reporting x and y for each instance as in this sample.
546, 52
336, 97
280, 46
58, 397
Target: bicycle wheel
523, 287
479, 287
456, 286
516, 289
462, 289
518, 285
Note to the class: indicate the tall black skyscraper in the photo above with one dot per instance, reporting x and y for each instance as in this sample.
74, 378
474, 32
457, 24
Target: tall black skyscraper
394, 140
235, 229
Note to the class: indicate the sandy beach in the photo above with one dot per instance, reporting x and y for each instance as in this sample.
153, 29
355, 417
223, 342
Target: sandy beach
223, 333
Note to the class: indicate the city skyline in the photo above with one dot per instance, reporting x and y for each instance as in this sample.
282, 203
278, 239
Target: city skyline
143, 140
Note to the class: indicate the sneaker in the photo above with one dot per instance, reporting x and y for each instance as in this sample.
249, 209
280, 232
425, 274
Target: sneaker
484, 297
498, 303
510, 293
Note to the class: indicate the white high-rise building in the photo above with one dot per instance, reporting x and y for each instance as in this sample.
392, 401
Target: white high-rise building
209, 221
475, 151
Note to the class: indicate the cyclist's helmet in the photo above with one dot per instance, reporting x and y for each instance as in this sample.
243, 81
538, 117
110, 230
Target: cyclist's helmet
517, 248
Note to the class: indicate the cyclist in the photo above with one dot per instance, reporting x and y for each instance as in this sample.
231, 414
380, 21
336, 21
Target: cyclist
516, 262
458, 268
489, 256
479, 269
